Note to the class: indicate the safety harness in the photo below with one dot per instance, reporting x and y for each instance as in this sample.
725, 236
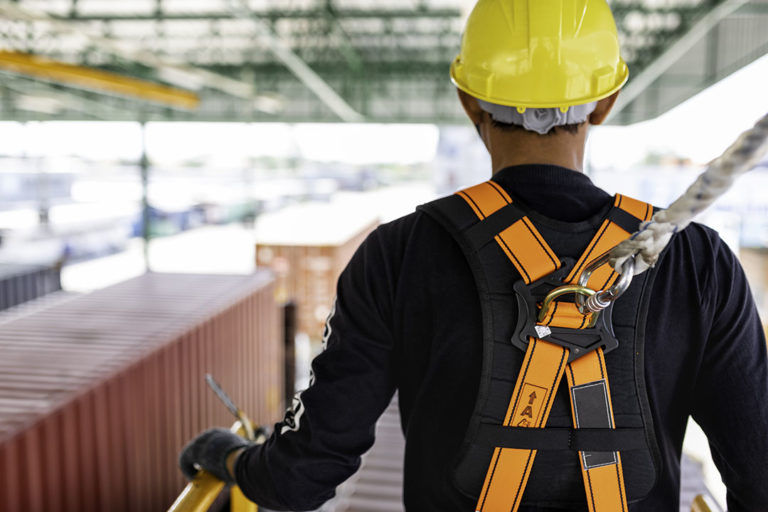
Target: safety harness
557, 338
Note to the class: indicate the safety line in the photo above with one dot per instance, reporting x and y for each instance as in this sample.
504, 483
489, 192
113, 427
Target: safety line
653, 236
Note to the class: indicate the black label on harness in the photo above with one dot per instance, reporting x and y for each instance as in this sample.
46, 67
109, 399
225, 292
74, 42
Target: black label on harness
592, 410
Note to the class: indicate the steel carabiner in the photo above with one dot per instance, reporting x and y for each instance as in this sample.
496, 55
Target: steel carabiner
603, 298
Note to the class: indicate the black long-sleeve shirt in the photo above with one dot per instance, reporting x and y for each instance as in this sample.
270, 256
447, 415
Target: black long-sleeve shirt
407, 317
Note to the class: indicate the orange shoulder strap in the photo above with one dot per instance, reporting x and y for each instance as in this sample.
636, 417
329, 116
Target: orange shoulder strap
545, 362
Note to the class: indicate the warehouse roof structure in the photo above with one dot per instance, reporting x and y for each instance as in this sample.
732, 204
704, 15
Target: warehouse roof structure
320, 60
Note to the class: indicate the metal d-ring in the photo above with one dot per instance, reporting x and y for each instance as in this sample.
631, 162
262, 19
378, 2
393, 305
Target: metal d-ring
577, 289
602, 299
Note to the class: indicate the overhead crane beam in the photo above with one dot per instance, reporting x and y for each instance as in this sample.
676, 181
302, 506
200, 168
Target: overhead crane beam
267, 36
97, 80
173, 71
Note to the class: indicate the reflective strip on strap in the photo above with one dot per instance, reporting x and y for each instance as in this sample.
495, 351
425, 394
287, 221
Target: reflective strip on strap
602, 471
545, 362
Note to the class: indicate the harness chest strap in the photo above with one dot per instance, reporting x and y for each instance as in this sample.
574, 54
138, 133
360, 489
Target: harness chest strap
545, 362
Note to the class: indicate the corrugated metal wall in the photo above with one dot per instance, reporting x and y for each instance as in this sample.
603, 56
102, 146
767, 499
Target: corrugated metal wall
21, 283
98, 394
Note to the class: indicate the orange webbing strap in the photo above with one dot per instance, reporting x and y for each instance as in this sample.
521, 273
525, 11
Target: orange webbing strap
602, 472
531, 402
588, 385
532, 257
544, 362
485, 198
587, 379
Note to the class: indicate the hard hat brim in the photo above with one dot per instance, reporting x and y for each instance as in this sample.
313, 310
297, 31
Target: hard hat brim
458, 80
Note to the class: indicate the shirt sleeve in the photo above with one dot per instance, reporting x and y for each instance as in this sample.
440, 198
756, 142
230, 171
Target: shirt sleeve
331, 424
732, 387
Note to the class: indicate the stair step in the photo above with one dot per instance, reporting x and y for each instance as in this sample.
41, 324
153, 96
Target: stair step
357, 504
384, 477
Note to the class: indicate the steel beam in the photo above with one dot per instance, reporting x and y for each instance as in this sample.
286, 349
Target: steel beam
267, 36
272, 14
96, 80
674, 53
359, 41
347, 49
22, 86
753, 9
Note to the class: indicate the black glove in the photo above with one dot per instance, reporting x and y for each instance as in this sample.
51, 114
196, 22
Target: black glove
209, 451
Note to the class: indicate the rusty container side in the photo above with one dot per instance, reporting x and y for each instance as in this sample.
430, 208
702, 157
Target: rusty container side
306, 272
755, 263
99, 394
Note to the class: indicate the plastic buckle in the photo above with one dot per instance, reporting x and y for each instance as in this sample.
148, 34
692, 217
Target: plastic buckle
578, 341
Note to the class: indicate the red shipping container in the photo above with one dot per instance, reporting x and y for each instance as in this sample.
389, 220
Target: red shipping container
99, 393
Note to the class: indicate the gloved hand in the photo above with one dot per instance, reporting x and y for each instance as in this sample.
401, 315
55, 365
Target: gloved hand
209, 451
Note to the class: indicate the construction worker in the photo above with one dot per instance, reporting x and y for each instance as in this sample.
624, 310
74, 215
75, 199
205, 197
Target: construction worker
437, 305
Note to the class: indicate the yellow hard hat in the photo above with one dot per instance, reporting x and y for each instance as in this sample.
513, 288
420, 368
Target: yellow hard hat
540, 53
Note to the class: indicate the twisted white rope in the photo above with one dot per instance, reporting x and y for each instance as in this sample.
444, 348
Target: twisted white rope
654, 235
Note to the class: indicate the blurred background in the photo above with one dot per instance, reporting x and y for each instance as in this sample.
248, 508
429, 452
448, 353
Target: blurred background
182, 181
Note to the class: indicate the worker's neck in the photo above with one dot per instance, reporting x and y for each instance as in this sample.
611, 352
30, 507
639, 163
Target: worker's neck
510, 148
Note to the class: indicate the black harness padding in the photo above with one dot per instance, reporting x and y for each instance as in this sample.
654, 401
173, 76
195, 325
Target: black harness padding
555, 479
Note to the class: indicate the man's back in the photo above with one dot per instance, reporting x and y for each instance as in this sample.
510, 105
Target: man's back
408, 317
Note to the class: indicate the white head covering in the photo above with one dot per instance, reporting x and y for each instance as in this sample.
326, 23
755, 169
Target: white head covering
539, 120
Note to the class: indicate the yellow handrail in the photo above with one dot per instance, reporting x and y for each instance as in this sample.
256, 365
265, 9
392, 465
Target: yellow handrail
700, 504
202, 491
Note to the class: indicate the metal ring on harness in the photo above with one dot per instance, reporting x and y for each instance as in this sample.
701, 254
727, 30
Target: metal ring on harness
564, 290
602, 299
